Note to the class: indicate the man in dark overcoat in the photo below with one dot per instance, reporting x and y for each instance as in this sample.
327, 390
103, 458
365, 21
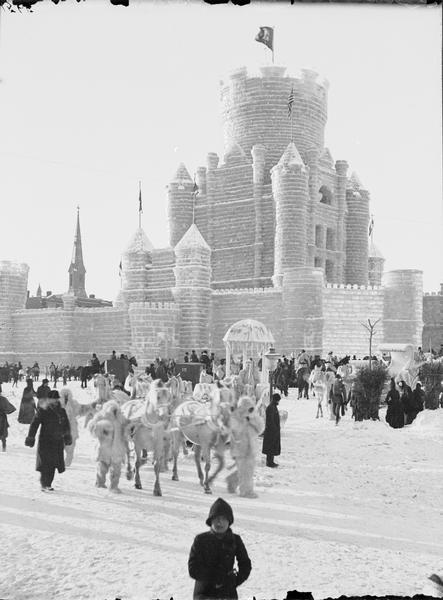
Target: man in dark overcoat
55, 433
271, 436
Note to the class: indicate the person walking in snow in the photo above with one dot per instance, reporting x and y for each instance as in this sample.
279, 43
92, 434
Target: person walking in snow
6, 408
246, 425
108, 427
394, 414
213, 554
271, 437
338, 397
27, 405
54, 435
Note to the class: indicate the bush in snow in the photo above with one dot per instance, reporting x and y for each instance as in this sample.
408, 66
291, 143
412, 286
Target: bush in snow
431, 376
372, 380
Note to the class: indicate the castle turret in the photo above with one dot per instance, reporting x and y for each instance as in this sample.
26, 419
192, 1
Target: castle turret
77, 269
290, 190
192, 290
136, 262
403, 307
180, 204
376, 263
255, 110
13, 292
357, 223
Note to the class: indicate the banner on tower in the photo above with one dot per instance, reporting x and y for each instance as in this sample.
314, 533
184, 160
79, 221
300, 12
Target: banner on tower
290, 102
371, 226
266, 36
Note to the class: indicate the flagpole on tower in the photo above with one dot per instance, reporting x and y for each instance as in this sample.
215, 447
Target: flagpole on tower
140, 206
291, 112
194, 196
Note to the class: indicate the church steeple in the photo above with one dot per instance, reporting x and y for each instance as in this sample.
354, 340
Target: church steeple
77, 268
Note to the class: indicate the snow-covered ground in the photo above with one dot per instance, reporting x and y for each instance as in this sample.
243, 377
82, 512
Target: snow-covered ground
354, 509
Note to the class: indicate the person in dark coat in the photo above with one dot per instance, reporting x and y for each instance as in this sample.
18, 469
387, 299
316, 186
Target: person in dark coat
338, 397
55, 433
395, 414
6, 408
43, 389
212, 556
416, 404
194, 357
406, 401
271, 436
27, 405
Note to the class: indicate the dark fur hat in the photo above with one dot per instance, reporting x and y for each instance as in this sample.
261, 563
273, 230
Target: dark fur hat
220, 508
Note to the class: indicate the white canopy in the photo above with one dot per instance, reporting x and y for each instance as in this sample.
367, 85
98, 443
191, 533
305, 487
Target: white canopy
249, 338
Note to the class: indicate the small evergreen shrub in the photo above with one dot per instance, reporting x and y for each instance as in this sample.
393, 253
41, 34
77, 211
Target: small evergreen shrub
372, 381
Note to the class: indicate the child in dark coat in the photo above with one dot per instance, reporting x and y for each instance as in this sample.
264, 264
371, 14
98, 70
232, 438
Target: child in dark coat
211, 560
55, 433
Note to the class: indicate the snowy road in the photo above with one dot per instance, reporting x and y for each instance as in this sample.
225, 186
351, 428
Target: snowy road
351, 510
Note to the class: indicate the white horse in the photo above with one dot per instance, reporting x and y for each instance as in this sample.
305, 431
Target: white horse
148, 430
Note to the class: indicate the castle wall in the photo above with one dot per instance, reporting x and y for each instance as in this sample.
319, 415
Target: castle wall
231, 230
345, 308
154, 327
232, 305
68, 336
432, 335
403, 308
161, 276
302, 315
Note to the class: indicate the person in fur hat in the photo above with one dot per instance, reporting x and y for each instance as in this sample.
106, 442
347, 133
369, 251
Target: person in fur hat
108, 426
55, 433
212, 557
246, 425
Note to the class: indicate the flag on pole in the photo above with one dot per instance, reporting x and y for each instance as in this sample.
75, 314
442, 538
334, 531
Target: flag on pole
120, 268
140, 205
195, 189
266, 36
290, 102
371, 226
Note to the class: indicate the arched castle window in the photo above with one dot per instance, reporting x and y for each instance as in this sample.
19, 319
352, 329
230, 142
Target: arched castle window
326, 195
329, 271
330, 239
318, 236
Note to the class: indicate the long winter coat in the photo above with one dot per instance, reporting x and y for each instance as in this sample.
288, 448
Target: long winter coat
395, 414
211, 564
271, 436
6, 408
54, 433
27, 407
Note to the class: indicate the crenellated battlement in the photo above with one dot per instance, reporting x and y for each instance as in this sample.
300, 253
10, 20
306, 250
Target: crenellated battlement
342, 286
154, 305
240, 291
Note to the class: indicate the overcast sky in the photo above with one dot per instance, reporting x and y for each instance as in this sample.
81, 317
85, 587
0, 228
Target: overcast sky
96, 97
